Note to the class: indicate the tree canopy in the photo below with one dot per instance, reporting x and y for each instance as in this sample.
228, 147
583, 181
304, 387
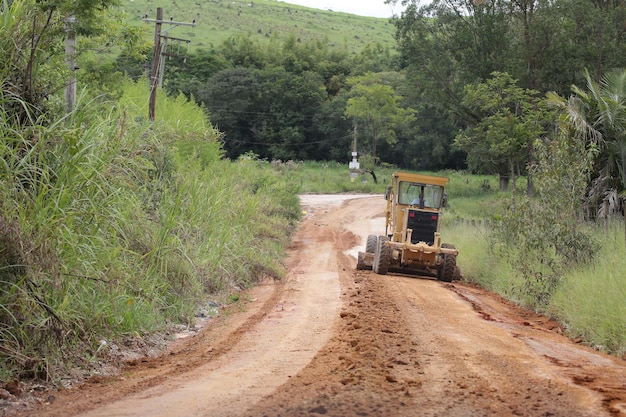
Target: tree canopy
417, 106
508, 120
375, 107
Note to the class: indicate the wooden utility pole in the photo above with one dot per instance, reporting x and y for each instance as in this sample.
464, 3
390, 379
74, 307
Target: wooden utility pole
154, 76
70, 60
157, 66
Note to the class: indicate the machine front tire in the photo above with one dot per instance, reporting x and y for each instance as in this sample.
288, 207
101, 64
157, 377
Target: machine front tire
448, 269
370, 246
382, 256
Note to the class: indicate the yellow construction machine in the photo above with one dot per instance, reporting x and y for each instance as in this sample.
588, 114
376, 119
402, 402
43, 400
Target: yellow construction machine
412, 243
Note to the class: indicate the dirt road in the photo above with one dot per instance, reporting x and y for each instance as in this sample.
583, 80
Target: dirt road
329, 340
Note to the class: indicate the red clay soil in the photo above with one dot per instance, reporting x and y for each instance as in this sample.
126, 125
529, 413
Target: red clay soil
330, 340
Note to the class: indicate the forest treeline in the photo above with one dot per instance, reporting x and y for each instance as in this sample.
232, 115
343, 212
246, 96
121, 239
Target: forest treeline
293, 99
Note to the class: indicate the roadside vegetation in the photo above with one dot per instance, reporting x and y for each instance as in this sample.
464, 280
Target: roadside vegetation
588, 299
113, 226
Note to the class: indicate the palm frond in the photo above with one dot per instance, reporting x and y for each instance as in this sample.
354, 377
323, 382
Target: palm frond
610, 204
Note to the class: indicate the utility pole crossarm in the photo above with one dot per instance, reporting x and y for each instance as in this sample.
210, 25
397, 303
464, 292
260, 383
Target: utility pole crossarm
156, 77
168, 22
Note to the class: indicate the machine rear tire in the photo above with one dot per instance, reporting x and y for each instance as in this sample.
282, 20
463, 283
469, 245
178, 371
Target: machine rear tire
370, 246
382, 256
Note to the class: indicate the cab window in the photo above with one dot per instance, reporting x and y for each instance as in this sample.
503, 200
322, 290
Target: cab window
420, 195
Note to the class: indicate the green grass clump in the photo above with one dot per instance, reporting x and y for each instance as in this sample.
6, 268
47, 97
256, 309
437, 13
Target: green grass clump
114, 226
322, 177
590, 300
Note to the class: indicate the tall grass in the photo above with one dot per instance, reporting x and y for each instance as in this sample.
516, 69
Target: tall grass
590, 300
113, 226
472, 241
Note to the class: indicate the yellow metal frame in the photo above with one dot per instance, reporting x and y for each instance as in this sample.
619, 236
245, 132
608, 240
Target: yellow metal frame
400, 244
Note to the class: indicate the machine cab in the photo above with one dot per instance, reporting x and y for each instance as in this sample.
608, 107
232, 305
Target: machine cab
414, 202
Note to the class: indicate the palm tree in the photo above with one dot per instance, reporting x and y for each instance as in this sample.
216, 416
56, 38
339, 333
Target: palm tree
598, 114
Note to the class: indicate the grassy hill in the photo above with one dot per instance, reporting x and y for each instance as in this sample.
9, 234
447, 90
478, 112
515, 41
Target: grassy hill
217, 20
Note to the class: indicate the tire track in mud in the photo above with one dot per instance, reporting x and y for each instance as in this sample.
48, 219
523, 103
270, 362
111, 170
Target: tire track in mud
380, 362
600, 373
369, 367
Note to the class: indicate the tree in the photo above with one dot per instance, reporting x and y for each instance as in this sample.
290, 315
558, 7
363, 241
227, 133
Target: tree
455, 42
189, 75
375, 109
32, 63
598, 115
508, 119
335, 133
288, 104
541, 237
242, 51
429, 143
448, 44
270, 112
549, 56
375, 58
231, 97
120, 49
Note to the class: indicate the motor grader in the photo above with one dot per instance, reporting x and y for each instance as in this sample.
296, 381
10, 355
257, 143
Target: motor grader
412, 243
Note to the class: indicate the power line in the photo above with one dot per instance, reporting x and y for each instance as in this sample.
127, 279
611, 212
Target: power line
317, 142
